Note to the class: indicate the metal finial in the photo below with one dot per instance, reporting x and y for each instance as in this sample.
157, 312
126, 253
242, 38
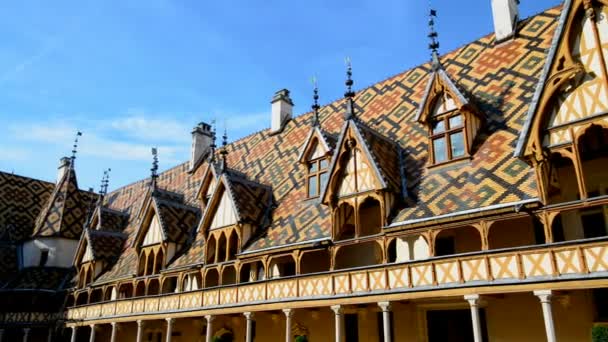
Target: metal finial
434, 39
224, 151
75, 148
349, 94
315, 107
213, 141
105, 181
154, 168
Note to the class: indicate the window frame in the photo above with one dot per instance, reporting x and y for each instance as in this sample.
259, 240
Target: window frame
315, 174
446, 134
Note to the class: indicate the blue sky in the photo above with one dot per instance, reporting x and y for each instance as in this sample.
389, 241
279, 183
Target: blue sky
132, 74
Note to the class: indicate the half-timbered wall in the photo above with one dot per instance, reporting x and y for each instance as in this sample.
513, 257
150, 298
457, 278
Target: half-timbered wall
154, 234
224, 214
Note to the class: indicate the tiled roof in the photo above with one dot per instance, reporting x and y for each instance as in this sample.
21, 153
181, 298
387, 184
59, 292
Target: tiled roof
8, 262
21, 200
111, 220
252, 200
500, 79
66, 212
105, 245
40, 278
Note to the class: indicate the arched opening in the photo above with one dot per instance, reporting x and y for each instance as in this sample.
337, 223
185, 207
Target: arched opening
358, 255
70, 300
233, 245
562, 185
345, 219
252, 271
370, 217
125, 290
229, 275
153, 287
593, 151
82, 298
159, 261
192, 282
315, 261
108, 293
82, 276
212, 278
149, 262
96, 296
89, 275
141, 267
283, 266
557, 229
140, 289
408, 248
457, 240
513, 233
211, 246
221, 248
169, 285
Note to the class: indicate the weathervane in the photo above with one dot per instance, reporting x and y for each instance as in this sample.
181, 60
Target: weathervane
224, 151
105, 180
315, 107
154, 168
349, 94
434, 38
75, 148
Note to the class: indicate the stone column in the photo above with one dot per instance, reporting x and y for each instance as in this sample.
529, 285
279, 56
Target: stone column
92, 336
140, 333
210, 320
474, 303
114, 328
74, 330
26, 334
1, 334
170, 322
249, 326
288, 316
49, 337
545, 301
386, 320
339, 321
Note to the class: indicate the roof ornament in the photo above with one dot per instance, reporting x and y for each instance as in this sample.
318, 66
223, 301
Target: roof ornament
315, 107
75, 149
154, 169
349, 94
224, 151
213, 142
105, 180
434, 39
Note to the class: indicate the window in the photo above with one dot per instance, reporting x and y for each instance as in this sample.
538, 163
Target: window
447, 138
317, 176
44, 257
594, 223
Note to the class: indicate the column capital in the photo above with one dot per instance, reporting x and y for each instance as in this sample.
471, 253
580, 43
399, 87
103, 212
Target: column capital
170, 320
139, 322
473, 299
337, 309
385, 306
248, 315
113, 324
288, 312
209, 318
544, 295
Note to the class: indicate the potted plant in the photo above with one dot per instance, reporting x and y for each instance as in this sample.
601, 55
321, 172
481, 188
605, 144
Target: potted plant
599, 333
301, 338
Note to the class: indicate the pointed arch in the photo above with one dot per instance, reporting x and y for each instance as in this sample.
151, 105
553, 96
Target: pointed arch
211, 250
233, 245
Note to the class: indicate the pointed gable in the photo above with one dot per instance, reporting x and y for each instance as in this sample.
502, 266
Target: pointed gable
96, 245
66, 211
364, 161
154, 234
318, 144
441, 96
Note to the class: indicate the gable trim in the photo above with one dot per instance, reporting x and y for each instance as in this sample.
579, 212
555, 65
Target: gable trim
314, 131
211, 209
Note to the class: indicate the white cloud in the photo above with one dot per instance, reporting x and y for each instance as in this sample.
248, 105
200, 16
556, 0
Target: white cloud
141, 126
14, 154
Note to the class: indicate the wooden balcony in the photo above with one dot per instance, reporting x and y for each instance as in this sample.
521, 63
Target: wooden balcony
573, 260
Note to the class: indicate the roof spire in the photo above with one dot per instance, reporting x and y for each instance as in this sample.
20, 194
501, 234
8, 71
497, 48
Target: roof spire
224, 151
349, 94
75, 149
315, 107
105, 180
154, 169
213, 142
434, 38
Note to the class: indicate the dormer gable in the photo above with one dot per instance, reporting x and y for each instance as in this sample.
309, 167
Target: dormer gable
450, 117
317, 146
315, 154
96, 252
208, 184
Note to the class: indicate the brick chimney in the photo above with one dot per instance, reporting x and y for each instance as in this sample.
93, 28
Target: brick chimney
64, 164
202, 139
282, 110
506, 15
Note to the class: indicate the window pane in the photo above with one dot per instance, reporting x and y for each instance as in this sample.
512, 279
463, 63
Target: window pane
312, 187
313, 167
439, 127
324, 178
439, 150
324, 163
455, 121
457, 142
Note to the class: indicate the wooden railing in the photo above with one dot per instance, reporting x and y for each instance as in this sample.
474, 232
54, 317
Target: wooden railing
550, 262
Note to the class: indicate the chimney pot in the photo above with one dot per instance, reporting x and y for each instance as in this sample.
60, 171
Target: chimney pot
506, 15
202, 139
282, 110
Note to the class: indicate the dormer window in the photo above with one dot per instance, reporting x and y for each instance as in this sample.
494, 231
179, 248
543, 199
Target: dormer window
317, 176
448, 138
